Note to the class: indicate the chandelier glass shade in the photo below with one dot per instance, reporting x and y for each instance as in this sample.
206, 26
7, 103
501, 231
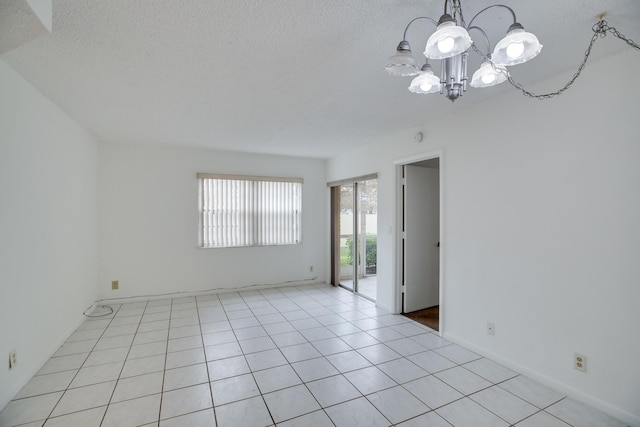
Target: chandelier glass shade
451, 42
403, 62
488, 75
516, 47
426, 82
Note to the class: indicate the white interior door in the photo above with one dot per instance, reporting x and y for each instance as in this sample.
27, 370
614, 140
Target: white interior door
422, 231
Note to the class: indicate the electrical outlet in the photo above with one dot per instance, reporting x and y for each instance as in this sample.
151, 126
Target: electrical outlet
491, 329
580, 362
311, 269
115, 284
13, 358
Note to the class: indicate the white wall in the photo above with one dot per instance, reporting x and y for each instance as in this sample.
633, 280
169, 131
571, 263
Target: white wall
148, 223
48, 228
541, 229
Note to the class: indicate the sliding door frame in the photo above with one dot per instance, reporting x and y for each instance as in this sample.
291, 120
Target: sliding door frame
334, 187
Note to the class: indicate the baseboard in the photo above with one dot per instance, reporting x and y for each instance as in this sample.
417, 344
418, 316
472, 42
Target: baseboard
385, 308
182, 294
46, 356
614, 411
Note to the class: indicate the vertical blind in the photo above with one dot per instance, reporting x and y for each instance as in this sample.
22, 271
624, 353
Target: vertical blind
249, 211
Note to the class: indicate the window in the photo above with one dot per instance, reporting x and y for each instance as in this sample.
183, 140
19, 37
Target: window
249, 210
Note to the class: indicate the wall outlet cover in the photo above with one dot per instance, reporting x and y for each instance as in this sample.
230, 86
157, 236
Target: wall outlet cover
13, 358
491, 328
580, 362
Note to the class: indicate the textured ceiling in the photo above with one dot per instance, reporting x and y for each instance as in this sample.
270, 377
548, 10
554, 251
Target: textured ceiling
19, 24
294, 77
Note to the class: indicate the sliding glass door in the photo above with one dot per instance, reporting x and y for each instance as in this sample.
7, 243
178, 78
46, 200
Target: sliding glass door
367, 226
354, 235
347, 236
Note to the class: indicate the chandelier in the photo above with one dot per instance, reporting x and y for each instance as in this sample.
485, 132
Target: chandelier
450, 44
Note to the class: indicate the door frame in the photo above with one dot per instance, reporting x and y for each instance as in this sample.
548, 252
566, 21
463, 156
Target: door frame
398, 234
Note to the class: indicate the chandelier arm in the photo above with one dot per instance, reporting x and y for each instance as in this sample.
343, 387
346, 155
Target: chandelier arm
475, 27
492, 6
445, 7
404, 37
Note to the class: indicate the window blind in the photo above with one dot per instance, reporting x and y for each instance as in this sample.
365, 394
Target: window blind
249, 211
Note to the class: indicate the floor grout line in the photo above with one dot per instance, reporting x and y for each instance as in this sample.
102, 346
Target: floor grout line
250, 315
112, 316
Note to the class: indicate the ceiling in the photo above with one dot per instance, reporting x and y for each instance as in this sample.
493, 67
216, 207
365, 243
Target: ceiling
290, 77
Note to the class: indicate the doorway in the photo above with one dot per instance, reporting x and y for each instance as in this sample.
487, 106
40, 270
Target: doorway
420, 242
354, 225
429, 317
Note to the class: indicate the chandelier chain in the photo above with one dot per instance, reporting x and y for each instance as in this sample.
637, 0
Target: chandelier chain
600, 30
457, 11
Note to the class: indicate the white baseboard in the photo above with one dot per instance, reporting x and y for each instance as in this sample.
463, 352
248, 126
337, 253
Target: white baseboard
183, 294
385, 308
614, 411
43, 359
47, 355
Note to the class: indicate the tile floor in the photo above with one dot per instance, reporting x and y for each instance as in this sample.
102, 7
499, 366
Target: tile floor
367, 286
296, 356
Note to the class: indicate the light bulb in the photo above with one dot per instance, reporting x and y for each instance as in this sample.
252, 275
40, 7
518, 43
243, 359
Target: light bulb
488, 78
446, 45
426, 87
515, 50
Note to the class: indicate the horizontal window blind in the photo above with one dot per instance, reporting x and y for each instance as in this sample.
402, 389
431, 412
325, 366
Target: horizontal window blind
249, 211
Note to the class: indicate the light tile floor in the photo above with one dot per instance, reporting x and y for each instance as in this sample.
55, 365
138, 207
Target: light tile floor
367, 286
296, 356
